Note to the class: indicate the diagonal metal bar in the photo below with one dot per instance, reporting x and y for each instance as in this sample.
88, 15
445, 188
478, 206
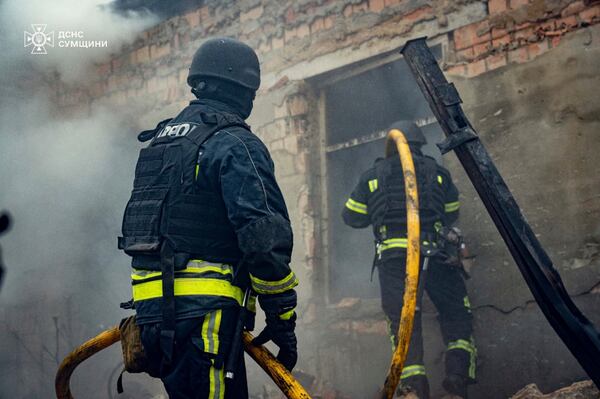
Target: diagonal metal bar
575, 330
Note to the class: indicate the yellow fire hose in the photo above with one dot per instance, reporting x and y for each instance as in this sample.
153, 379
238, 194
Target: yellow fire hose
265, 359
412, 260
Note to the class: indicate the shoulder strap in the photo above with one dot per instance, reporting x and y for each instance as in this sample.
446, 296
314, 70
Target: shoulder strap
212, 124
149, 134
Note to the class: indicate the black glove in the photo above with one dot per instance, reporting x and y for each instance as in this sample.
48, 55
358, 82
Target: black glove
281, 322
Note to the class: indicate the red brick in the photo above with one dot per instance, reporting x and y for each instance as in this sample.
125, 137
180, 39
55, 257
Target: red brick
567, 22
376, 5
142, 54
548, 25
290, 15
182, 76
524, 34
157, 52
317, 25
467, 36
361, 7
518, 3
555, 41
573, 8
347, 11
418, 14
467, 54
204, 13
265, 46
591, 14
457, 70
481, 49
501, 41
329, 22
497, 6
192, 18
389, 3
519, 55
289, 35
476, 68
252, 14
277, 42
302, 31
536, 49
498, 32
495, 61
522, 26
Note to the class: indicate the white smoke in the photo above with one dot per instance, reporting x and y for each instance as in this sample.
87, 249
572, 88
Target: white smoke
65, 180
92, 18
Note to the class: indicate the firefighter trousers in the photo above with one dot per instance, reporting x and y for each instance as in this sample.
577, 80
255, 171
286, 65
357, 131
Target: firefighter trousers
446, 288
197, 368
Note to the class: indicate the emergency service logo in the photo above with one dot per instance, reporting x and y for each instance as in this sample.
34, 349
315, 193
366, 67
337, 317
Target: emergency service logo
71, 39
38, 39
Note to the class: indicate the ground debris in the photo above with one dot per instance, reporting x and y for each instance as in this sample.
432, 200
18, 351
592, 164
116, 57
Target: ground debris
579, 390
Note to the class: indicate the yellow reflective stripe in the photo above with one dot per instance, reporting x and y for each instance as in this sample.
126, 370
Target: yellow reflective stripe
251, 306
400, 243
216, 388
391, 333
451, 206
438, 226
189, 286
215, 331
224, 269
210, 331
373, 185
274, 287
440, 179
462, 344
468, 346
413, 370
204, 331
287, 315
467, 302
356, 206
197, 170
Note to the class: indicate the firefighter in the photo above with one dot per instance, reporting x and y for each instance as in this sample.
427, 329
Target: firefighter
206, 220
379, 201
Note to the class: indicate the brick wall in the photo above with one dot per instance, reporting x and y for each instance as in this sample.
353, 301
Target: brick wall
516, 31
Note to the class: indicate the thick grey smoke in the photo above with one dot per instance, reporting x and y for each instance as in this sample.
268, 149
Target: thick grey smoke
65, 181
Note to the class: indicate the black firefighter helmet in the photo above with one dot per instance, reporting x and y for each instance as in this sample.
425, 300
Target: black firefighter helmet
411, 131
228, 59
413, 134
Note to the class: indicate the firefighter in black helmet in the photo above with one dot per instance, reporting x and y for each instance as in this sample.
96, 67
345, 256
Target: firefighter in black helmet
379, 201
206, 221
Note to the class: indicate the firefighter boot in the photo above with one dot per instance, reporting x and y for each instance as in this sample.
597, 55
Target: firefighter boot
456, 385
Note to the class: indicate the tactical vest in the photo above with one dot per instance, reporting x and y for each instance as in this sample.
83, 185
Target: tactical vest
166, 204
387, 204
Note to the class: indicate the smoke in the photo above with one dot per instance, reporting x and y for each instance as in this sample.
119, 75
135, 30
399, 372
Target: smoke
65, 182
93, 18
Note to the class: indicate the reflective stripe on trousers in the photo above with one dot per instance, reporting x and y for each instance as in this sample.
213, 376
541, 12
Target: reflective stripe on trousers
412, 371
469, 347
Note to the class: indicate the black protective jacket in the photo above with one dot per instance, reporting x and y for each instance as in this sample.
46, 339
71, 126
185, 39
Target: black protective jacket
378, 200
235, 166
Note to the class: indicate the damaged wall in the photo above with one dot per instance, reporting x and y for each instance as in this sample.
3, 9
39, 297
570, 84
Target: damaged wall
527, 72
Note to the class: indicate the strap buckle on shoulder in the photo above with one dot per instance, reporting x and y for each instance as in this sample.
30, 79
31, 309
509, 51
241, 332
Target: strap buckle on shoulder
147, 135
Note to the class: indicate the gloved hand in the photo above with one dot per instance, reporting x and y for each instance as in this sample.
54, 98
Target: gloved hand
281, 323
